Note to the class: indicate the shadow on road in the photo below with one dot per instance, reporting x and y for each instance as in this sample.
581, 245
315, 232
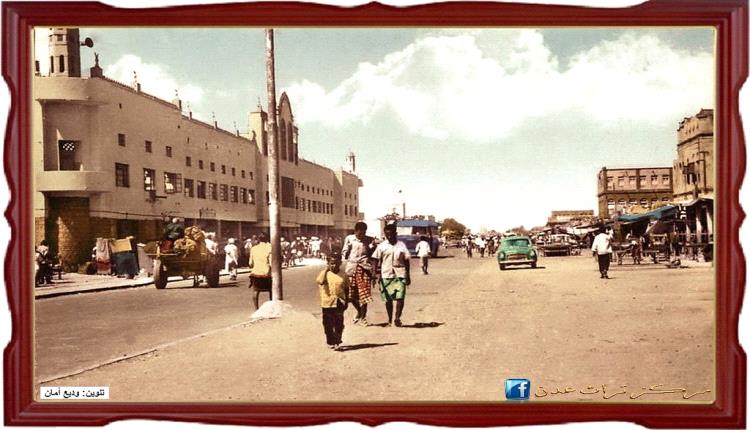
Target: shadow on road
206, 287
365, 345
431, 324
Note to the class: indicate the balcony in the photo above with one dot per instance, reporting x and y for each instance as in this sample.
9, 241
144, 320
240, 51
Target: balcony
77, 181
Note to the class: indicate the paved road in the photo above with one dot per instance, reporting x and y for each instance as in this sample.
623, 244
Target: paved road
78, 331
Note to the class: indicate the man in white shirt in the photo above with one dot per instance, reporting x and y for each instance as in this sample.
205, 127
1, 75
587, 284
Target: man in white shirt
392, 258
231, 258
602, 249
423, 252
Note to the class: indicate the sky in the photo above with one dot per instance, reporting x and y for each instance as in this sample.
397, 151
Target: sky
493, 127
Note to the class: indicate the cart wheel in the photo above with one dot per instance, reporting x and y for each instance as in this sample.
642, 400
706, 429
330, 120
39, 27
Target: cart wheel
212, 273
160, 275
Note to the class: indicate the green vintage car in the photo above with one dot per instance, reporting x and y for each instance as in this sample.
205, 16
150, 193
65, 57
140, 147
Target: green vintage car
516, 250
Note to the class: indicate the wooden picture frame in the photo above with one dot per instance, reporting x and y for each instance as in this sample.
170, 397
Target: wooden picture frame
728, 17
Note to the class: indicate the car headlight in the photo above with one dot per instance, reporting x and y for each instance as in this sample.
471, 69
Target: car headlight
501, 255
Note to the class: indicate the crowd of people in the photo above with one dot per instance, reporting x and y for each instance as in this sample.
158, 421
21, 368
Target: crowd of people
481, 244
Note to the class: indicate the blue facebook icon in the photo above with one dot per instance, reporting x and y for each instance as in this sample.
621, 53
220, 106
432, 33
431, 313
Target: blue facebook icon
517, 389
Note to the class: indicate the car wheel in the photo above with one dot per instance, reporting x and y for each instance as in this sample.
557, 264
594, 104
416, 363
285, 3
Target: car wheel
502, 266
533, 265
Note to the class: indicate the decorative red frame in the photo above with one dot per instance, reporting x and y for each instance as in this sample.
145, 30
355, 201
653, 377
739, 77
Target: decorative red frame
729, 17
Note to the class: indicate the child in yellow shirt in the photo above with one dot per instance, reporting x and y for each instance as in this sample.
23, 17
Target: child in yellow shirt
334, 290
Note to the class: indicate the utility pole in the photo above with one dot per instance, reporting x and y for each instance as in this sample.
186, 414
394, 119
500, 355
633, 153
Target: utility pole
273, 172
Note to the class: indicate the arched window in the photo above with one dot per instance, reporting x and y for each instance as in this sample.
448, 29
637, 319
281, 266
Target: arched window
282, 139
62, 64
644, 203
290, 139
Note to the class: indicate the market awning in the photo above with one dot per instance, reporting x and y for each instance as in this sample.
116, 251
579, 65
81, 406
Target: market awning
655, 214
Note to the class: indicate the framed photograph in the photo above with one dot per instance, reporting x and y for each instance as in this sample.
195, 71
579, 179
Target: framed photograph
218, 212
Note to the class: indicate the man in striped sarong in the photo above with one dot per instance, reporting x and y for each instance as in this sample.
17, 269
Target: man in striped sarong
357, 250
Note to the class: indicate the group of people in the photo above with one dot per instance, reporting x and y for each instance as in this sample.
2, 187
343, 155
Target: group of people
483, 245
386, 265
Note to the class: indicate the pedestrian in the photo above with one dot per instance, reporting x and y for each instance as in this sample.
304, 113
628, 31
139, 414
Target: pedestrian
468, 244
392, 259
334, 290
357, 251
260, 268
231, 258
43, 263
602, 250
423, 252
479, 242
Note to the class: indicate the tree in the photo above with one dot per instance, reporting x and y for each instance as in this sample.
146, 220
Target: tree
452, 228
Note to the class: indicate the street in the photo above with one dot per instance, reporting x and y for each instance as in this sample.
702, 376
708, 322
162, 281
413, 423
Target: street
468, 327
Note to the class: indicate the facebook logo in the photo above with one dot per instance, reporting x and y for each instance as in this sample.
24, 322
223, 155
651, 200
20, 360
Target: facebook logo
517, 389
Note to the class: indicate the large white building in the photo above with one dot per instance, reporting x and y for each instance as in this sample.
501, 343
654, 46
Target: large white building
112, 161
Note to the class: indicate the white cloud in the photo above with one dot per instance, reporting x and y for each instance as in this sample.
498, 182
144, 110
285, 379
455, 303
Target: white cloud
481, 85
154, 80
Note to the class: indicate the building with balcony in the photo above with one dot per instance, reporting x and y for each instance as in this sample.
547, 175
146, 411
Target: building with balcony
620, 189
112, 161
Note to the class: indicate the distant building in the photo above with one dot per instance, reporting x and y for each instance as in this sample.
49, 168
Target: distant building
113, 161
564, 217
621, 188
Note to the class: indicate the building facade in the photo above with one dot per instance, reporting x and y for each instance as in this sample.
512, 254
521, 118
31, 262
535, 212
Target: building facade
622, 188
564, 217
694, 167
113, 161
694, 175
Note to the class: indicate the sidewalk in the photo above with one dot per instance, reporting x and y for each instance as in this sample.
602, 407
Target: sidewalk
76, 283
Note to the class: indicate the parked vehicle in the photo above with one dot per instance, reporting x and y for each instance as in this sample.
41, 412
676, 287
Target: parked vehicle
516, 250
410, 231
558, 244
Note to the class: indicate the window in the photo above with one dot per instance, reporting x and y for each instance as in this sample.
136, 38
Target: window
212, 192
287, 192
665, 199
268, 200
610, 206
147, 146
302, 204
653, 202
233, 194
169, 151
149, 179
62, 63
52, 64
69, 157
633, 202
642, 178
59, 37
654, 179
223, 188
243, 195
200, 164
631, 180
200, 190
346, 210
309, 206
212, 167
251, 197
120, 139
189, 188
251, 174
233, 174
223, 169
188, 161
242, 174
644, 203
172, 183
122, 175
665, 179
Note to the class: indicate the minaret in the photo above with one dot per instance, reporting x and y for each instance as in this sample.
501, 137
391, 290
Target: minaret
65, 52
351, 165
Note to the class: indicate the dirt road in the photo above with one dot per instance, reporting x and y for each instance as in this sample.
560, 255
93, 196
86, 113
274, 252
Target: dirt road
468, 328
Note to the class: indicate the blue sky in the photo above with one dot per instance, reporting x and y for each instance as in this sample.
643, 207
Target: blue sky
493, 127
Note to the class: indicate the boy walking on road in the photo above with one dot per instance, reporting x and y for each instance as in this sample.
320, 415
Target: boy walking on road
392, 258
334, 289
423, 252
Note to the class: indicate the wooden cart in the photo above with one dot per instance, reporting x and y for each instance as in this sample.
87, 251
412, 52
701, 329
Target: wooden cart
173, 264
